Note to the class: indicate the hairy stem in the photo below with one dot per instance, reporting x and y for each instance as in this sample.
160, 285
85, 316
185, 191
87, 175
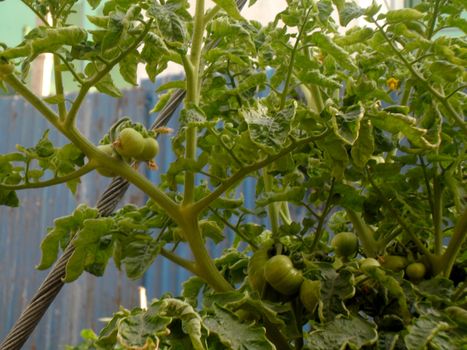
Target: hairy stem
272, 207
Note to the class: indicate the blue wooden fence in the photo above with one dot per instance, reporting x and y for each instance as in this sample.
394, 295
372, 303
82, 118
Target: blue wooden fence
80, 304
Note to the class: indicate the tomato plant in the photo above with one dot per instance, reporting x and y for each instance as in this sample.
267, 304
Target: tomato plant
355, 139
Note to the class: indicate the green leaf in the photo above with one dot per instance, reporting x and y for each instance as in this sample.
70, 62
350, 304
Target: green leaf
129, 66
9, 198
353, 332
64, 228
422, 331
234, 334
90, 251
138, 255
94, 3
329, 47
105, 85
364, 146
269, 130
314, 76
171, 26
230, 7
212, 230
403, 15
335, 289
348, 12
143, 330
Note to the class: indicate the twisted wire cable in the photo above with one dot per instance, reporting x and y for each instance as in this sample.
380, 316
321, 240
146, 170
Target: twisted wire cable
106, 204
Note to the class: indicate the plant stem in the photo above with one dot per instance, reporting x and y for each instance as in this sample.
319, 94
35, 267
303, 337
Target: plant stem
34, 100
203, 203
192, 67
292, 61
272, 207
324, 214
72, 113
42, 18
437, 214
55, 181
455, 244
285, 213
188, 265
205, 267
59, 89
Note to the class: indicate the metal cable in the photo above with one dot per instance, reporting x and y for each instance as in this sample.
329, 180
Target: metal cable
53, 283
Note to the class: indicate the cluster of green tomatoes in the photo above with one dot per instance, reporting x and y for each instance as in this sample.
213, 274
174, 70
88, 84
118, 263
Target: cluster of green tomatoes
129, 141
279, 272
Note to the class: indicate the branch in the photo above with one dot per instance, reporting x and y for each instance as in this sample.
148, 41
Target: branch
42, 18
55, 181
187, 264
70, 119
34, 100
240, 174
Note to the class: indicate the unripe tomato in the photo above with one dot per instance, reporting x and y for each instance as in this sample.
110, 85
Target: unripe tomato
107, 149
310, 294
393, 262
368, 264
282, 276
130, 143
415, 271
345, 244
256, 266
150, 149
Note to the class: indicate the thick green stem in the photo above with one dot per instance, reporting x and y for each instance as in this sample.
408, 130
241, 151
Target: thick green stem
455, 244
272, 207
205, 267
192, 67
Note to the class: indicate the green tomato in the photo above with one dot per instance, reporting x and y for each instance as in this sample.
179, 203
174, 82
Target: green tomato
108, 150
280, 273
310, 294
256, 267
393, 262
369, 264
415, 271
150, 149
345, 244
130, 143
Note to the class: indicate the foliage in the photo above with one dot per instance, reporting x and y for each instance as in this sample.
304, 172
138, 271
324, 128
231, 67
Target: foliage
360, 131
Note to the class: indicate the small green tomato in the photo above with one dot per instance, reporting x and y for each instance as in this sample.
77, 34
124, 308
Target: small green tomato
345, 244
107, 149
130, 143
415, 271
150, 150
